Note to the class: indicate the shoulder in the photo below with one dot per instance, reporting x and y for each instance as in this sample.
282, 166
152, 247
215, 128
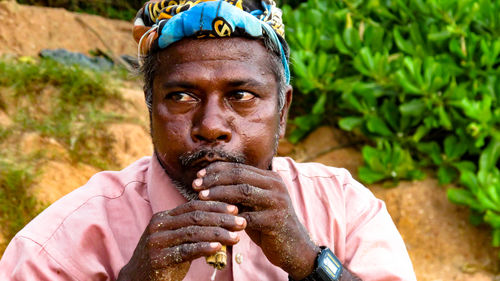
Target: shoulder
82, 233
97, 200
339, 178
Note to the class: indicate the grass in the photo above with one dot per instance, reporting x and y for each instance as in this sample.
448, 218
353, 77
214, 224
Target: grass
17, 205
65, 103
57, 101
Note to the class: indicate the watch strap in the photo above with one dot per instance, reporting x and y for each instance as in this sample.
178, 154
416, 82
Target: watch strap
327, 267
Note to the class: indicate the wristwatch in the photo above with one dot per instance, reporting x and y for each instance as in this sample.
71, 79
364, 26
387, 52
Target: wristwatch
328, 267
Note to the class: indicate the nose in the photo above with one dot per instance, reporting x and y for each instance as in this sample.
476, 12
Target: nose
211, 124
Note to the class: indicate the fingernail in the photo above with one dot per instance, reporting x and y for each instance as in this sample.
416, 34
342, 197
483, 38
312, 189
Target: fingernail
202, 173
198, 182
233, 235
214, 244
204, 193
240, 220
231, 208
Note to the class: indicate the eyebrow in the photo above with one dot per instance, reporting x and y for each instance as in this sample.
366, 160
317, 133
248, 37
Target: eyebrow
245, 82
179, 84
249, 82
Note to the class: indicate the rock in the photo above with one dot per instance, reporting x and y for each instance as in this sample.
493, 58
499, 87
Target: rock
320, 141
348, 158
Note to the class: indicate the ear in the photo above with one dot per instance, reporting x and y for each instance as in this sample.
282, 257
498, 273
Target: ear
284, 111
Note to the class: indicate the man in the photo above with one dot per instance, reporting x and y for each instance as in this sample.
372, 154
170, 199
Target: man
217, 87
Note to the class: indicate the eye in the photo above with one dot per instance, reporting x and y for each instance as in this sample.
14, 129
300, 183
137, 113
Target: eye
242, 96
180, 97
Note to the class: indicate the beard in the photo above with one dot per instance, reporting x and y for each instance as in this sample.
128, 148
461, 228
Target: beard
187, 160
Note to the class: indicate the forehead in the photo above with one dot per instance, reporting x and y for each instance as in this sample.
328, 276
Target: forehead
229, 58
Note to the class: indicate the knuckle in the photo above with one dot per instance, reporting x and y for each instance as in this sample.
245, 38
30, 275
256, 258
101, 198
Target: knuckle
191, 205
245, 189
191, 231
197, 216
184, 251
249, 217
222, 220
282, 199
237, 172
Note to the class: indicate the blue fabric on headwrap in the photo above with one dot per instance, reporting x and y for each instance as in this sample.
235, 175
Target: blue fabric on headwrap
216, 19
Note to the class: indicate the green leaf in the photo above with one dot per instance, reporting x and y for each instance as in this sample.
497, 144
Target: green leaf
319, 106
415, 107
444, 119
402, 44
369, 176
492, 218
377, 125
469, 179
446, 174
463, 197
453, 148
489, 157
351, 39
349, 123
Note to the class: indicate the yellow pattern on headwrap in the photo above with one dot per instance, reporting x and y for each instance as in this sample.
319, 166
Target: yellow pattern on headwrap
163, 10
222, 28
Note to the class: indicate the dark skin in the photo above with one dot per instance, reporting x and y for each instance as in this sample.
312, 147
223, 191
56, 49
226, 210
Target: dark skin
220, 94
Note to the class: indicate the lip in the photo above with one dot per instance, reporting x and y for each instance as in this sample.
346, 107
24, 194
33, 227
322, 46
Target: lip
207, 160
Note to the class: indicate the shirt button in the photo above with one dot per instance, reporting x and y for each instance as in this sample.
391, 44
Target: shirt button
238, 258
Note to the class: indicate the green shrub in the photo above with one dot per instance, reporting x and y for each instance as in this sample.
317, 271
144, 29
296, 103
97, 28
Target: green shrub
419, 79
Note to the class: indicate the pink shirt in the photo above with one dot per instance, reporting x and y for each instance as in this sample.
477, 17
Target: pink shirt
91, 233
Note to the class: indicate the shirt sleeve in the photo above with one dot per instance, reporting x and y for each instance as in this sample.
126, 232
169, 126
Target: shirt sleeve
25, 259
374, 248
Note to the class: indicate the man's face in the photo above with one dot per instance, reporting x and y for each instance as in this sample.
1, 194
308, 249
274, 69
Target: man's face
215, 100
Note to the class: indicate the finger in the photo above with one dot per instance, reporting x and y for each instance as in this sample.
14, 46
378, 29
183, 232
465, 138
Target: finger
246, 195
265, 221
191, 234
200, 218
182, 253
207, 206
222, 173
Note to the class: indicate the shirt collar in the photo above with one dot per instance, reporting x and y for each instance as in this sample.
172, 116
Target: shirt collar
163, 195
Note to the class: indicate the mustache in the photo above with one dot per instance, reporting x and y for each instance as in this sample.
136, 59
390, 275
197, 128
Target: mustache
188, 158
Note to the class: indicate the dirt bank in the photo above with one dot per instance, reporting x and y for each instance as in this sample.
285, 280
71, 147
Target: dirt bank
25, 30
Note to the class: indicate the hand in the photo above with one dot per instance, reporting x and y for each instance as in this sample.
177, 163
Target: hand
174, 238
264, 202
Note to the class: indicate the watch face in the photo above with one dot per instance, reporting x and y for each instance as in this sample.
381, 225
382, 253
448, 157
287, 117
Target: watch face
329, 265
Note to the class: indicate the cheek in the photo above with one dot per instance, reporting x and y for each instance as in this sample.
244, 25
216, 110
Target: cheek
170, 131
259, 137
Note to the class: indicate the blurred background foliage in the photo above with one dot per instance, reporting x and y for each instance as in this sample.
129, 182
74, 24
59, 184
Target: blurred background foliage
419, 80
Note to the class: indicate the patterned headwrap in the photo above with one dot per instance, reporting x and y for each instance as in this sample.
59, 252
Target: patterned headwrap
158, 24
